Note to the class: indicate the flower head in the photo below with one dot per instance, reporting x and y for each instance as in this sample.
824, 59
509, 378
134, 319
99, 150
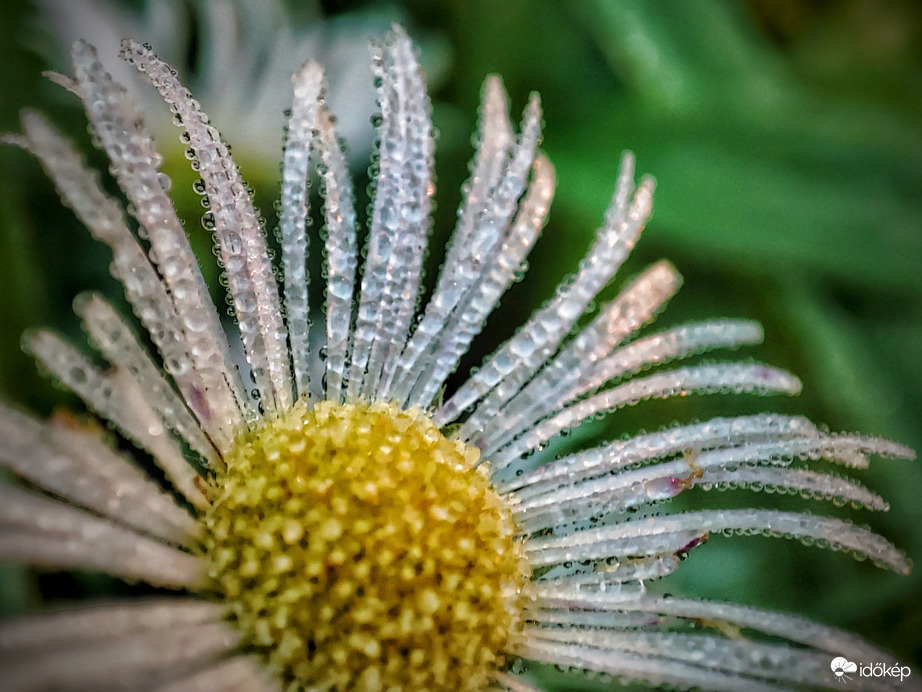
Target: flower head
341, 526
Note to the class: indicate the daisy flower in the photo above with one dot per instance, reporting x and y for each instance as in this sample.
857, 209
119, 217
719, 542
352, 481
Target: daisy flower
332, 518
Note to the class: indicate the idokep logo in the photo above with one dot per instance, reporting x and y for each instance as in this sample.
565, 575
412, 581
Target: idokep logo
845, 670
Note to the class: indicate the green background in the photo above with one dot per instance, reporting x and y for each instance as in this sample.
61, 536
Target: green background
786, 141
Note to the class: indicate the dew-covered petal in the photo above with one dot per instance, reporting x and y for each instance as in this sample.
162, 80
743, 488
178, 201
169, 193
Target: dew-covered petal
672, 344
599, 574
655, 616
718, 640
293, 216
499, 176
632, 667
657, 610
495, 141
554, 385
244, 253
640, 542
753, 378
116, 396
342, 253
203, 386
638, 537
717, 433
469, 318
567, 592
773, 663
78, 465
728, 467
812, 484
609, 617
834, 447
399, 219
521, 356
118, 343
134, 163
43, 532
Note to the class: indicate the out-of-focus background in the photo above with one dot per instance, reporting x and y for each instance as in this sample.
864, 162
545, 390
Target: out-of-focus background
785, 137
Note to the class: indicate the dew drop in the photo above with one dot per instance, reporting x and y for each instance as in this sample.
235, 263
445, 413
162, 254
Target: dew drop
164, 181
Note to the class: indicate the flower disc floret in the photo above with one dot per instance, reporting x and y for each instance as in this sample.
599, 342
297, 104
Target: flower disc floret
359, 548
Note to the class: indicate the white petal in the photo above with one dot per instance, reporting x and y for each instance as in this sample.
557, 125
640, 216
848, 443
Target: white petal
495, 139
724, 467
185, 353
792, 628
80, 466
713, 434
302, 123
250, 275
554, 386
771, 663
622, 539
342, 254
400, 217
44, 532
601, 573
134, 163
118, 343
801, 481
129, 663
539, 338
83, 624
676, 343
630, 667
469, 318
497, 180
703, 379
117, 397
512, 684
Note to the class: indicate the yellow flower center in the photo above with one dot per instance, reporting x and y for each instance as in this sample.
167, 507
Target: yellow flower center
359, 549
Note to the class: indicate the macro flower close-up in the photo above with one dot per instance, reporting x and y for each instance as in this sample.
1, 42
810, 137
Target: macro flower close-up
321, 494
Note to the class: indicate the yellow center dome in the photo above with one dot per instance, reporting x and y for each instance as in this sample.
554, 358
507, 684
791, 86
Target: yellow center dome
359, 548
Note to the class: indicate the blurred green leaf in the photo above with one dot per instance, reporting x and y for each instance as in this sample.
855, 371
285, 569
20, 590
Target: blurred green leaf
775, 196
668, 55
